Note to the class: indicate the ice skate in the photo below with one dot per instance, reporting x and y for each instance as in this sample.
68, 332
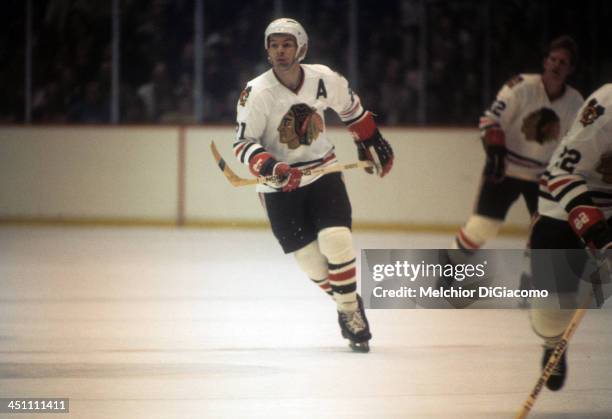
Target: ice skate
354, 326
557, 377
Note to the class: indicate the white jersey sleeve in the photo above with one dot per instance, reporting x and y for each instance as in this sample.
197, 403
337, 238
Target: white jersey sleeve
580, 171
344, 101
251, 123
504, 109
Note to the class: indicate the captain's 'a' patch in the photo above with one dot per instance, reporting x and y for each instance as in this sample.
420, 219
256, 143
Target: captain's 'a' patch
592, 111
321, 90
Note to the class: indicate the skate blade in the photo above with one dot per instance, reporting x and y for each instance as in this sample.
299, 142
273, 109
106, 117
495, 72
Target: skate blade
362, 347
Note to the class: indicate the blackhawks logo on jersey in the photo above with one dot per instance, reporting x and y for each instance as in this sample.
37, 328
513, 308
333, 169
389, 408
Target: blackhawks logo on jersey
301, 125
541, 126
592, 111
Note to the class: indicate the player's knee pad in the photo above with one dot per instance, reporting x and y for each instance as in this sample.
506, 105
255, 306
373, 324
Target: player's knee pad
311, 261
550, 324
477, 231
336, 244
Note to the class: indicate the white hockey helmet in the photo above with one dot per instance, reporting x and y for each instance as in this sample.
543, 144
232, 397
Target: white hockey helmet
291, 27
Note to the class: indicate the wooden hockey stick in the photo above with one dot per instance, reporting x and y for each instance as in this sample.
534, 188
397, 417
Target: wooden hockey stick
236, 180
555, 357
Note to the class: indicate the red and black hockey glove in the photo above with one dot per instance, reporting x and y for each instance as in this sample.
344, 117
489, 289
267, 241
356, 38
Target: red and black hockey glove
589, 224
289, 177
264, 164
494, 142
371, 145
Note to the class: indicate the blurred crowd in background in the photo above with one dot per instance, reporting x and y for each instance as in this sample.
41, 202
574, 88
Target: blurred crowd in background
456, 52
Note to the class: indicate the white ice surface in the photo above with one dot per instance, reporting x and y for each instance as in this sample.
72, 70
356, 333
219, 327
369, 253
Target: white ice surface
164, 323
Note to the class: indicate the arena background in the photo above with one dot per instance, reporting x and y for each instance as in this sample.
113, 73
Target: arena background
137, 282
91, 70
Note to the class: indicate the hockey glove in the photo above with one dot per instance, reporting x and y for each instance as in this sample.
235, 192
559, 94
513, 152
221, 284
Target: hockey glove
377, 150
589, 224
264, 164
371, 146
494, 142
289, 177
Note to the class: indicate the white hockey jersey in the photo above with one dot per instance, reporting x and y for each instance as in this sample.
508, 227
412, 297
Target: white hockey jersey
268, 111
516, 109
582, 164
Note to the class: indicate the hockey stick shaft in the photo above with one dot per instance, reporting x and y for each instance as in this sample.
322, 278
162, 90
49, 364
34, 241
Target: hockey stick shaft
552, 362
594, 293
236, 180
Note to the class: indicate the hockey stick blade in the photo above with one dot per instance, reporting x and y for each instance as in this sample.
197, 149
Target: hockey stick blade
236, 180
233, 178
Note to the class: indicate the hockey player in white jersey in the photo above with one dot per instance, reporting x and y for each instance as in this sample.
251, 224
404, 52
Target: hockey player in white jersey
519, 132
574, 211
281, 129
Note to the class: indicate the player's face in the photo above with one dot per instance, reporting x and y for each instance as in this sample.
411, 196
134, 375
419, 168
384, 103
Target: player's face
558, 65
282, 50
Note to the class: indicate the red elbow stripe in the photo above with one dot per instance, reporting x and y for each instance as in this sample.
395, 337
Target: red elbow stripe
552, 186
351, 111
238, 149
